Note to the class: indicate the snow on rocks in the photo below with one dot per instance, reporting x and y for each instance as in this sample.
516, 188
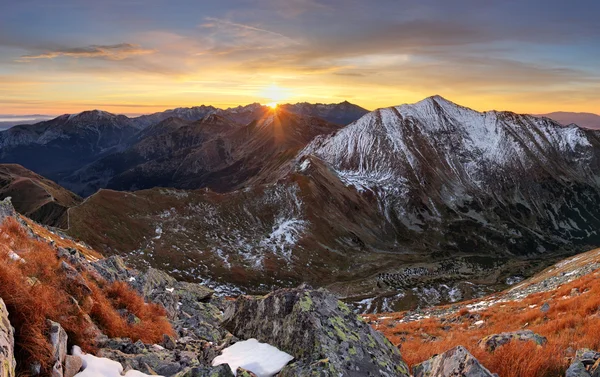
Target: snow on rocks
260, 358
101, 367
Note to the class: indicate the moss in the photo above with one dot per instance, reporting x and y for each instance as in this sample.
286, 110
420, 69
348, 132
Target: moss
306, 302
372, 343
352, 351
344, 308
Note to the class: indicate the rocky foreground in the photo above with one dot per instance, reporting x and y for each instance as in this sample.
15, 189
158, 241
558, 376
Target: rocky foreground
322, 334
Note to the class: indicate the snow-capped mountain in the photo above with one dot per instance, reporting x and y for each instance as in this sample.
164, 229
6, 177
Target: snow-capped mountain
66, 142
431, 195
437, 167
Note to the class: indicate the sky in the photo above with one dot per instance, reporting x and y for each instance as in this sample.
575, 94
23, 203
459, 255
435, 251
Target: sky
141, 56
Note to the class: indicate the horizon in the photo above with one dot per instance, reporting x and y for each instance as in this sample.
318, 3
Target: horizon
70, 56
27, 117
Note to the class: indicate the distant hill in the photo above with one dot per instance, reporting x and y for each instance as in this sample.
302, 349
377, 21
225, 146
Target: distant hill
587, 120
35, 196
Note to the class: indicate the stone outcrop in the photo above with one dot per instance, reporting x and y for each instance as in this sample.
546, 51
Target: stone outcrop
323, 334
585, 364
455, 362
6, 209
7, 342
491, 342
58, 340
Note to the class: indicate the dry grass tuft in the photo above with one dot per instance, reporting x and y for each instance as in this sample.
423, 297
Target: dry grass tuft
36, 289
572, 322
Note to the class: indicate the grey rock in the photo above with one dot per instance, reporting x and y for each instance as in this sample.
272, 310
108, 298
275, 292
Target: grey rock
222, 370
322, 333
75, 278
455, 362
6, 210
7, 340
545, 308
577, 369
587, 356
58, 341
112, 269
491, 342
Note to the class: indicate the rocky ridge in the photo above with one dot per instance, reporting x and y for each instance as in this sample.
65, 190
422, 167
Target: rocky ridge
202, 330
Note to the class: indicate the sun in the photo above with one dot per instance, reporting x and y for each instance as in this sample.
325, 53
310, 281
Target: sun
272, 105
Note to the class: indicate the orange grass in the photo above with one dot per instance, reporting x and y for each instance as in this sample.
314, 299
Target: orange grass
36, 289
572, 322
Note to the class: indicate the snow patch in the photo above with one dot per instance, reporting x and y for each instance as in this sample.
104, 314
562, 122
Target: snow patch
261, 358
101, 367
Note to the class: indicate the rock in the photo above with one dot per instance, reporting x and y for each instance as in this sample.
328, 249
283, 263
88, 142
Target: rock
188, 305
7, 340
587, 356
322, 333
6, 210
73, 365
58, 340
222, 370
545, 308
241, 372
491, 342
168, 342
455, 362
112, 268
75, 278
577, 369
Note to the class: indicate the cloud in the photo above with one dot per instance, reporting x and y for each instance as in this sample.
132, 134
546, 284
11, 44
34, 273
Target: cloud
217, 22
110, 52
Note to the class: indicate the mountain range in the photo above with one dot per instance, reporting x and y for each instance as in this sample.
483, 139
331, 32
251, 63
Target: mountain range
424, 200
59, 147
587, 120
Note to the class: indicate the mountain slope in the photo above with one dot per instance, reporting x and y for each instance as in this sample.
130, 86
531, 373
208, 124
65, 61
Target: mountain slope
437, 167
212, 152
560, 304
65, 143
35, 196
586, 120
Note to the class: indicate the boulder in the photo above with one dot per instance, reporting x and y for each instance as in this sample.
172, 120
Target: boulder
58, 341
455, 362
7, 341
189, 306
185, 354
6, 210
75, 278
577, 369
73, 365
587, 356
491, 342
323, 334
